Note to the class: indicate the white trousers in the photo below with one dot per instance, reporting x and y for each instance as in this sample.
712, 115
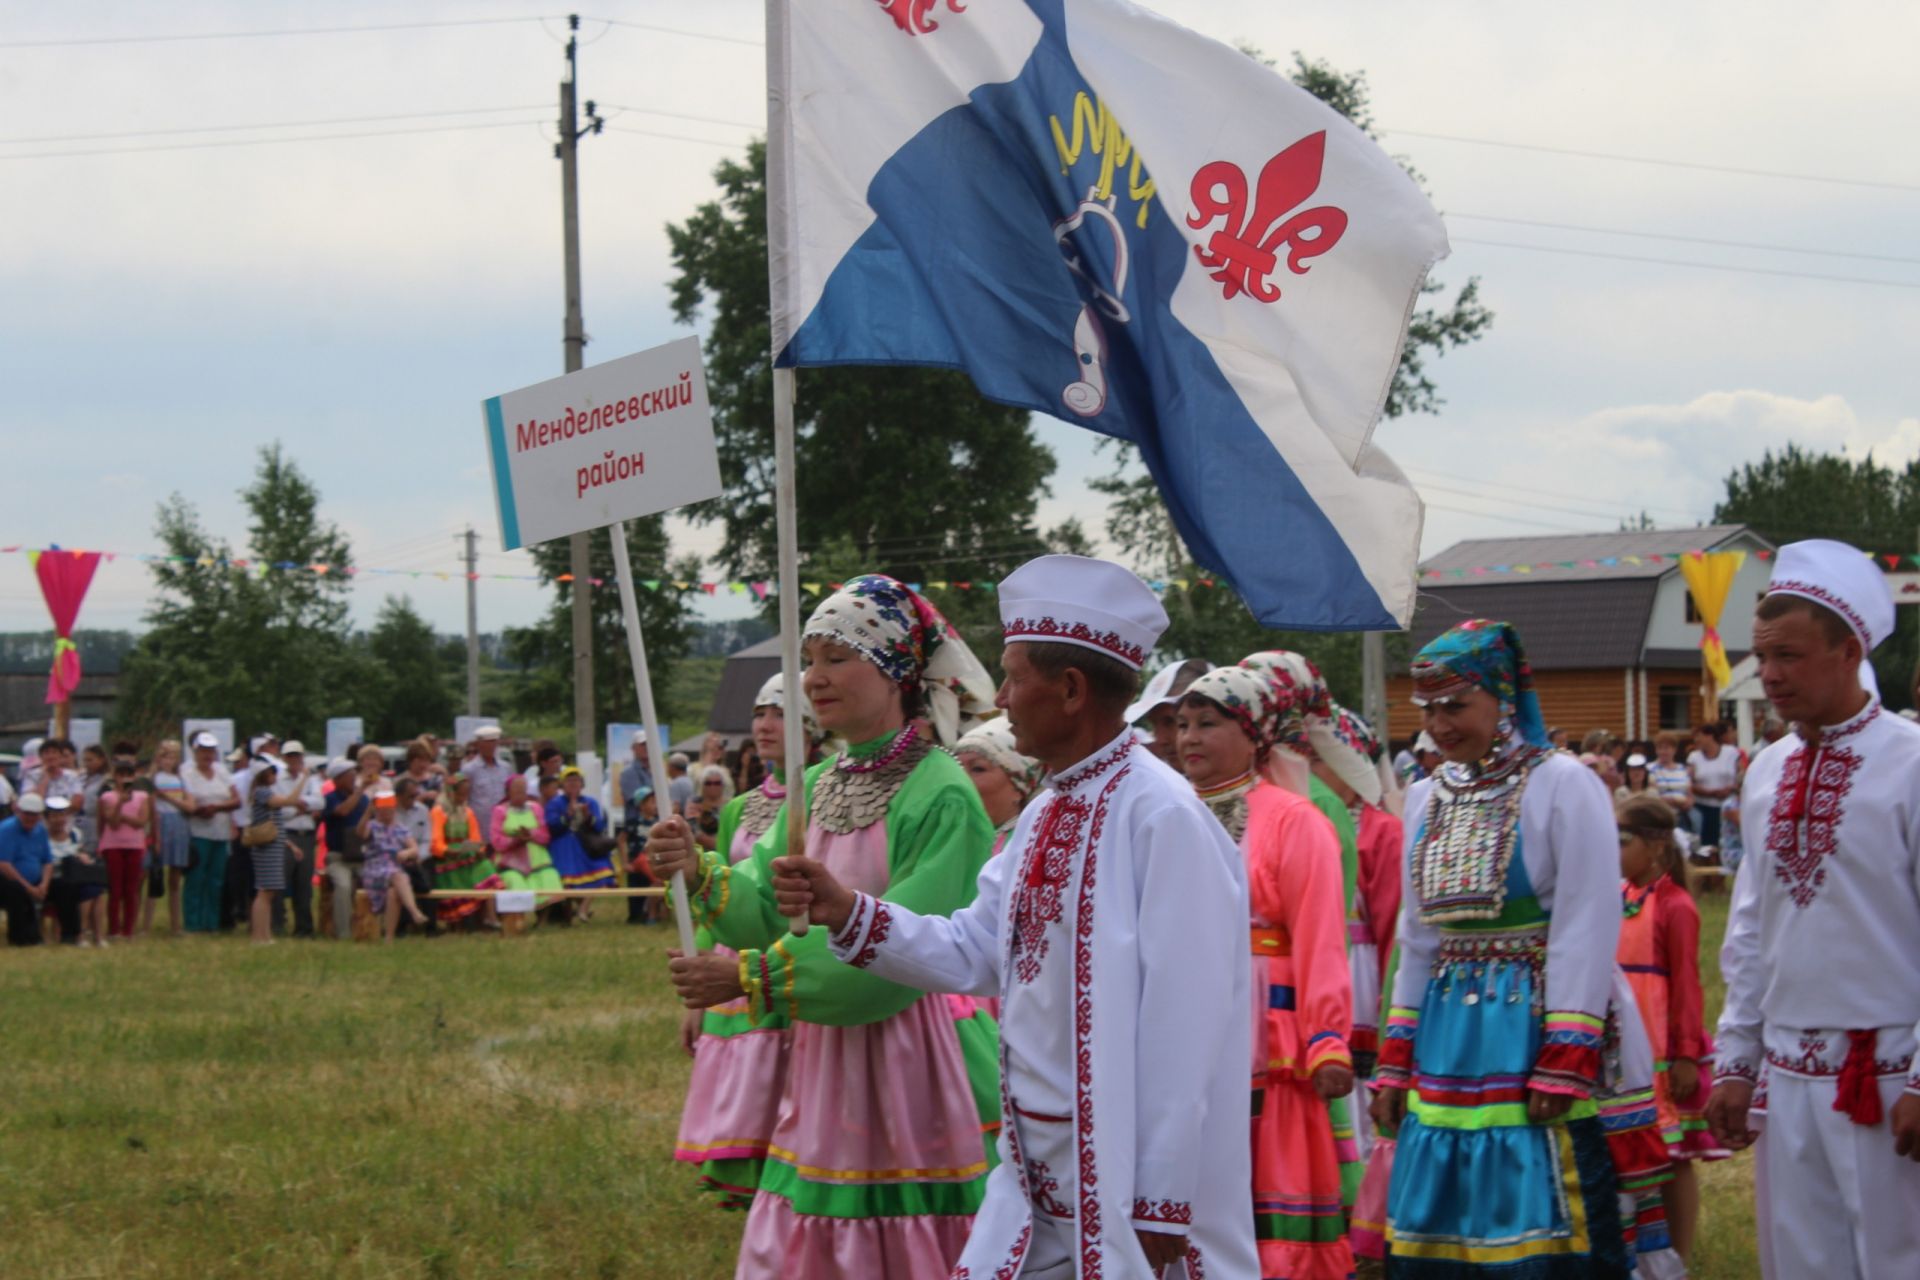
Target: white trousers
1835, 1201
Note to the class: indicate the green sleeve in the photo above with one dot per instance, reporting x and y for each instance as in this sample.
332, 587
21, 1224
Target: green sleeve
939, 838
723, 844
1336, 811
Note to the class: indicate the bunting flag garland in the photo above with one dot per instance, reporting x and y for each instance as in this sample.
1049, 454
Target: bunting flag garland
763, 589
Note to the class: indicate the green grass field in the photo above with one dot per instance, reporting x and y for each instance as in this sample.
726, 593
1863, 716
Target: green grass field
463, 1107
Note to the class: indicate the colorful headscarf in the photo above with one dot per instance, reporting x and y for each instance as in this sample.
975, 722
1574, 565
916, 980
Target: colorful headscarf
1307, 727
1355, 732
894, 628
994, 740
1482, 654
774, 694
1254, 701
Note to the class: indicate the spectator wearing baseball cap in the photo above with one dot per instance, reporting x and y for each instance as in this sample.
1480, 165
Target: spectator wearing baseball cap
210, 790
300, 799
488, 773
342, 811
26, 869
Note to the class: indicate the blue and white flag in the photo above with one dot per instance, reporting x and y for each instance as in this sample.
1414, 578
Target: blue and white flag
1103, 216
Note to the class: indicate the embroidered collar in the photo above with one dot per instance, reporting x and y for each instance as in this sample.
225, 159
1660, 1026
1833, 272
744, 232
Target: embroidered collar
1070, 779
1227, 790
1846, 728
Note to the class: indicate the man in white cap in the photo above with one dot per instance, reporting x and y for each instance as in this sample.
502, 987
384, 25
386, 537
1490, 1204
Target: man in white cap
637, 772
26, 870
1156, 704
300, 797
1114, 929
1822, 958
487, 773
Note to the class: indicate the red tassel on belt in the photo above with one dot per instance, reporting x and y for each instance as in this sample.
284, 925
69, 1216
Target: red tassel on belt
1859, 1092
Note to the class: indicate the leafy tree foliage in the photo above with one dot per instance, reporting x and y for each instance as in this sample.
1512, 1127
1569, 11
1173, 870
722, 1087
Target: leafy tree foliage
910, 467
546, 648
410, 694
1213, 622
271, 649
1798, 494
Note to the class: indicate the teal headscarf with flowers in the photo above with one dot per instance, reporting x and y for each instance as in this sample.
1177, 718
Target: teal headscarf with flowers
1482, 654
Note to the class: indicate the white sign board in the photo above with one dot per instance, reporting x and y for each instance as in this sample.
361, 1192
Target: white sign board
222, 731
82, 733
343, 732
621, 440
465, 726
1905, 587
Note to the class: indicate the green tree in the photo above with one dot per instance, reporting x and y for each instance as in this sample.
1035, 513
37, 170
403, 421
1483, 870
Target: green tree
1213, 622
261, 638
545, 650
924, 478
410, 691
1798, 494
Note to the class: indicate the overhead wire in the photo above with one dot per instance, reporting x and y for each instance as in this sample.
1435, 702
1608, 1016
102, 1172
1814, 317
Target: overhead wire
1686, 262
68, 42
275, 124
1668, 235
264, 142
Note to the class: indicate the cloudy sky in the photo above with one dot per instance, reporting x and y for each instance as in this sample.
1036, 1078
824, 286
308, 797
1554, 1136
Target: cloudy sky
184, 281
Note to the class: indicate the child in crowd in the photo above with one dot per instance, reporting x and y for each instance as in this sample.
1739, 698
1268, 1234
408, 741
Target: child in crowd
1660, 952
126, 830
1671, 778
79, 879
642, 811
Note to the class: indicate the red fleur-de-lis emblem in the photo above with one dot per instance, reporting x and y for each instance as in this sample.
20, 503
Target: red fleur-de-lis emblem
915, 17
1243, 253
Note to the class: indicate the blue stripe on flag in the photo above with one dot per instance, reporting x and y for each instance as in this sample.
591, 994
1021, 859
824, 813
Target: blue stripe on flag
983, 286
502, 476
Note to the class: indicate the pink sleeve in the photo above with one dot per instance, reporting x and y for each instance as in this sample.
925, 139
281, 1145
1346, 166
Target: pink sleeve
1311, 894
1380, 879
497, 835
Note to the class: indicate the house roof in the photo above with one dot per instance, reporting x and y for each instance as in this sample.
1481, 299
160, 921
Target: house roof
1612, 556
1598, 621
740, 680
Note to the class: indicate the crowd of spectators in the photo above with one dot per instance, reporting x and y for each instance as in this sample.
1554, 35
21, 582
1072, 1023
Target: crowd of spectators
93, 841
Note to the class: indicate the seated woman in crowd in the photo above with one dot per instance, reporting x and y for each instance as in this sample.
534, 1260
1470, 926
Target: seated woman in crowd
388, 846
519, 838
579, 845
460, 858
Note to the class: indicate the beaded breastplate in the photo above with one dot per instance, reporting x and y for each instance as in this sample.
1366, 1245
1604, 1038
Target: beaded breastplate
1469, 838
851, 795
761, 808
1229, 804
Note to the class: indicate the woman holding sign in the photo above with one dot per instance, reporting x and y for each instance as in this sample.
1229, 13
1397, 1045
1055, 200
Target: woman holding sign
879, 1152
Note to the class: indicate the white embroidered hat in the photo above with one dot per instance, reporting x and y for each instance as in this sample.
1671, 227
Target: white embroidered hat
1842, 578
1160, 690
1076, 600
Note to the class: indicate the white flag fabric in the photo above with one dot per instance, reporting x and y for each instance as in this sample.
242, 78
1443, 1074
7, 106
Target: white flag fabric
1103, 216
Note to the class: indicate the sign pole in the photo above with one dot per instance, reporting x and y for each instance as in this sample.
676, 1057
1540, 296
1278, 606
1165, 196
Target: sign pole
637, 650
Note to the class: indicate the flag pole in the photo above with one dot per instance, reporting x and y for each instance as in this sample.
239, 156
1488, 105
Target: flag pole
649, 716
779, 139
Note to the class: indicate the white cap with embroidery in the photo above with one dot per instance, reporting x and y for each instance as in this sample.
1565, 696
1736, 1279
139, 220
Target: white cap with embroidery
1842, 578
1076, 600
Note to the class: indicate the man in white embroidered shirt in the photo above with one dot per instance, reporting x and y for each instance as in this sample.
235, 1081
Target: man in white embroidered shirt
1822, 957
1114, 930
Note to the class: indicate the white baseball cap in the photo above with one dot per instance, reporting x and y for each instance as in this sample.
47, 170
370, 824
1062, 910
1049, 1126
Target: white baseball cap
58, 804
292, 748
487, 733
204, 739
31, 803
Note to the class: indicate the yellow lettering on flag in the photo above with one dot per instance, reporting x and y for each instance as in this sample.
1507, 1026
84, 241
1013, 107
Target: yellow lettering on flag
1097, 130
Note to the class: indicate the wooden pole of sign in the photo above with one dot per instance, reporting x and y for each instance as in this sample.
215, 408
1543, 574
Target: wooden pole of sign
649, 717
786, 530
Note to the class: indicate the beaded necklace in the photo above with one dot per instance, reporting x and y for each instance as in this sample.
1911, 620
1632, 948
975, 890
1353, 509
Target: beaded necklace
762, 806
1471, 832
853, 794
1228, 801
1633, 900
874, 764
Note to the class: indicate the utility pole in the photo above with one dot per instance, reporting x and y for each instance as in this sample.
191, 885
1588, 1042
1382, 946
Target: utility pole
574, 343
472, 557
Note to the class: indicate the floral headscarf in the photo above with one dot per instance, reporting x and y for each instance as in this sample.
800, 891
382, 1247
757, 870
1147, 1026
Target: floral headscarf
1306, 727
1355, 732
1255, 702
1482, 654
894, 628
994, 740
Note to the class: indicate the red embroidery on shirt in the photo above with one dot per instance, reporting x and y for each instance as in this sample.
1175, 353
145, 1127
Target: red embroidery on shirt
1050, 629
1071, 781
1042, 1185
1813, 788
1090, 1224
1814, 591
1043, 875
1196, 1267
1176, 1213
877, 934
1813, 1061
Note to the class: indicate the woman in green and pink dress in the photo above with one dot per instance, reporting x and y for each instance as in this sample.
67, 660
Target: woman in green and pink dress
739, 1061
885, 1117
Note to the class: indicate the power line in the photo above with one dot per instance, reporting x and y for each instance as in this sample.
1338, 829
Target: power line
1686, 262
1547, 493
261, 142
1488, 515
1667, 164
679, 31
67, 42
675, 115
277, 124
672, 137
1564, 509
1657, 235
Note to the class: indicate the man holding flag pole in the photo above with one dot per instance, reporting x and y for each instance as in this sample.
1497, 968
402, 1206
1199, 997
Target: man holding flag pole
1102, 216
